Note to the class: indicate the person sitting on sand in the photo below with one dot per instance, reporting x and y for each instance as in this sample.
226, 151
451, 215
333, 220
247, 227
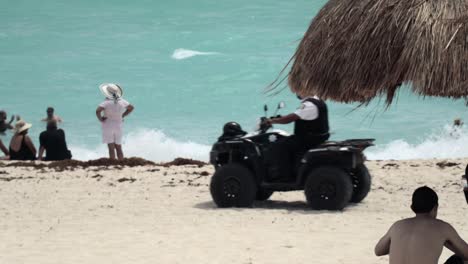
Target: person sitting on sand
4, 126
115, 108
4, 150
421, 239
51, 116
53, 142
21, 145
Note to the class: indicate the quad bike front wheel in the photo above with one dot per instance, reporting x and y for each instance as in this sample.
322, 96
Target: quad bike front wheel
328, 188
361, 183
233, 185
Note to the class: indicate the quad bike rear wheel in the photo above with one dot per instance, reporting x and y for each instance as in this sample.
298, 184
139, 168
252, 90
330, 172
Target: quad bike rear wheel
361, 183
328, 188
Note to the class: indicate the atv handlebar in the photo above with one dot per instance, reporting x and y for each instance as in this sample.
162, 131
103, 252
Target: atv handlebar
264, 125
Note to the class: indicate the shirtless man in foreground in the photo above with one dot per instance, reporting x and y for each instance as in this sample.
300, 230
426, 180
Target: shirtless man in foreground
420, 240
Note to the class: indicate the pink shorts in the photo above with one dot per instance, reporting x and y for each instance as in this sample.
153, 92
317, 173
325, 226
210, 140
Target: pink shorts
112, 132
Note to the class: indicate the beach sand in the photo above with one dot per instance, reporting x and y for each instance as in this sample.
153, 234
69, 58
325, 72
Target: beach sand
156, 214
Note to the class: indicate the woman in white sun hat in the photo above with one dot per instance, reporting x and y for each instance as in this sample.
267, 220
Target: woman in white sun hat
115, 108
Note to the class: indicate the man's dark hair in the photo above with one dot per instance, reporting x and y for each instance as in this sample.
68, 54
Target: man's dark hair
50, 109
424, 200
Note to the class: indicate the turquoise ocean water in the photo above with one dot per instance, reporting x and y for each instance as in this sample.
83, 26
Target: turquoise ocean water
188, 67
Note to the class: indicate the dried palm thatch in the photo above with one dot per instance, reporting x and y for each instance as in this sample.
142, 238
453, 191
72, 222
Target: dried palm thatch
355, 50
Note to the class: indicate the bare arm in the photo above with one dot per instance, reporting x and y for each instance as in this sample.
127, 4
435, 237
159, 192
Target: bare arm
41, 153
4, 149
30, 145
455, 243
383, 246
128, 110
99, 115
284, 119
11, 120
8, 124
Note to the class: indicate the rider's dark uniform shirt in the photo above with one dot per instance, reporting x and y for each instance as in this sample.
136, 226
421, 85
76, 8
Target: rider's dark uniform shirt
312, 125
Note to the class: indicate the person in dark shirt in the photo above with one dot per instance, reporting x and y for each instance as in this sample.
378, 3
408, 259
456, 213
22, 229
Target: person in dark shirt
52, 141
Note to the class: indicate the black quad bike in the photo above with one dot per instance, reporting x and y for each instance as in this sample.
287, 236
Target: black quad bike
332, 174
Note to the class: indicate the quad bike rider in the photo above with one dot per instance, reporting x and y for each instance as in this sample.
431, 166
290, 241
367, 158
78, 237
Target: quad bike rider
332, 173
310, 129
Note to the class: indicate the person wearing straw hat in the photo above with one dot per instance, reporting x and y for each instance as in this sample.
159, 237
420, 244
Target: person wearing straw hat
21, 145
111, 113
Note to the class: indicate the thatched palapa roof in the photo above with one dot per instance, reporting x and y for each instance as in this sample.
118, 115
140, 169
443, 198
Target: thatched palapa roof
355, 50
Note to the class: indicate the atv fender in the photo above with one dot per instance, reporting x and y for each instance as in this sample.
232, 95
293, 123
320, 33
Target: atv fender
335, 157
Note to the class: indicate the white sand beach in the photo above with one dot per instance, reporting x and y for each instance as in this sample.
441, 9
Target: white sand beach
154, 214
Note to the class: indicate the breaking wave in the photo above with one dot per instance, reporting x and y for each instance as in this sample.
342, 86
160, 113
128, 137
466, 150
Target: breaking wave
157, 146
149, 144
448, 142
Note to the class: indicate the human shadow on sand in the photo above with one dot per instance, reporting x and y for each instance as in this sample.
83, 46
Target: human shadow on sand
291, 206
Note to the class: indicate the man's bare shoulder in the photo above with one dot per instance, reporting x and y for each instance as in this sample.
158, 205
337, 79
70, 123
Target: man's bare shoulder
413, 220
398, 225
403, 222
445, 227
442, 223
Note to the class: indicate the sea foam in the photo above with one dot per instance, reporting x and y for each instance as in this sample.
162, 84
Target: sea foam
180, 54
157, 146
448, 142
149, 144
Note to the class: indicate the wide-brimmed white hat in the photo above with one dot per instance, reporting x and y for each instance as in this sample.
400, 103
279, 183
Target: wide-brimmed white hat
21, 126
111, 90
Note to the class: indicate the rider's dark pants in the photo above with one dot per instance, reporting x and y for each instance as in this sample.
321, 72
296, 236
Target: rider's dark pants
454, 260
282, 155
